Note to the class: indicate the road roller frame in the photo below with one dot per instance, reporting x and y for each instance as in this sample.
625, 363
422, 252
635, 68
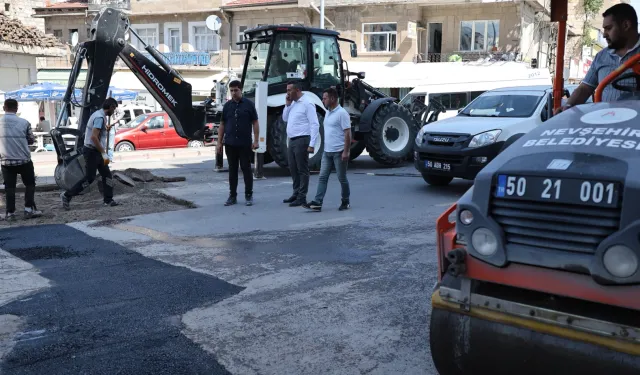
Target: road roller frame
526, 320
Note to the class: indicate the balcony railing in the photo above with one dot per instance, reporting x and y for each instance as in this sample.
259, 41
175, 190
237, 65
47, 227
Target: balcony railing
96, 5
464, 57
57, 62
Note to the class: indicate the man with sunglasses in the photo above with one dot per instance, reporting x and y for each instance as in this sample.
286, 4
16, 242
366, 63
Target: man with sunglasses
239, 118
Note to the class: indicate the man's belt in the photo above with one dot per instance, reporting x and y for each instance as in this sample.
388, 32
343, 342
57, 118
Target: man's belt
298, 137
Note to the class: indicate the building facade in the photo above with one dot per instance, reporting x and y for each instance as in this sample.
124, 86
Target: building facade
20, 49
386, 31
584, 38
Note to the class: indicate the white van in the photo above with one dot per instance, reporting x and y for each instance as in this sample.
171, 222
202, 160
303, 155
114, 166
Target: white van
462, 145
455, 92
133, 110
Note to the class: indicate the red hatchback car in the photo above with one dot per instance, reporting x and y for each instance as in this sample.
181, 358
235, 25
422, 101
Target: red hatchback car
149, 131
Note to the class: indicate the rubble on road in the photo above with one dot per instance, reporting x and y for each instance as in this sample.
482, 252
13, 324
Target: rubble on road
137, 195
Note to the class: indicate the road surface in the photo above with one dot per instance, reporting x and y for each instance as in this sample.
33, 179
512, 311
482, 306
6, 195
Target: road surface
266, 289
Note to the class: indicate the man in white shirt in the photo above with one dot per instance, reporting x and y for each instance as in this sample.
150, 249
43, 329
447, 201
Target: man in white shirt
302, 131
337, 144
43, 125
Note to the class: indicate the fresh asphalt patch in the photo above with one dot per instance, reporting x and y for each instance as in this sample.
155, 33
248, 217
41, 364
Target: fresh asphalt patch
109, 310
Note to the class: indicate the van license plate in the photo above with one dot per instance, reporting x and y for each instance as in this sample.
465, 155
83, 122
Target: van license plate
437, 165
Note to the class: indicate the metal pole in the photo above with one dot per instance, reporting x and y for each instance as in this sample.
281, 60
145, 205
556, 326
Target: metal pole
322, 14
258, 172
559, 78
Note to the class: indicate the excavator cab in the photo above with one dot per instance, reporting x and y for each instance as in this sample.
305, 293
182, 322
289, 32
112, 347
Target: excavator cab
280, 54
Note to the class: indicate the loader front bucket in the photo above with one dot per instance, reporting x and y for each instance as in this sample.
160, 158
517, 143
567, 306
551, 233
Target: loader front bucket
482, 341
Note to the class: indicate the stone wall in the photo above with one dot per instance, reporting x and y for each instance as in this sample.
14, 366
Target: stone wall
451, 17
23, 10
156, 6
65, 23
349, 20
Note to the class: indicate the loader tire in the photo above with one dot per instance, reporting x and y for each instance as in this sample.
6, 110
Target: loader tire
393, 133
357, 148
277, 143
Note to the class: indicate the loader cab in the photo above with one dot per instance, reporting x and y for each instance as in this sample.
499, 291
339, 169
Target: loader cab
279, 54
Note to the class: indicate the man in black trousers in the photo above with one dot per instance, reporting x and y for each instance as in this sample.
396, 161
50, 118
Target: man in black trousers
15, 158
239, 117
303, 131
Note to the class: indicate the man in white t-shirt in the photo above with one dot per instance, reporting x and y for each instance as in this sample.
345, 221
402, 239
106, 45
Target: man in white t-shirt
337, 144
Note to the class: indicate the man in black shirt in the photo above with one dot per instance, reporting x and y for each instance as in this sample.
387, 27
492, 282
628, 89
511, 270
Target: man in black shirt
239, 116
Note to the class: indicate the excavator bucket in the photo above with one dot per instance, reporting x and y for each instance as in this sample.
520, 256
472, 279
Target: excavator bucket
480, 327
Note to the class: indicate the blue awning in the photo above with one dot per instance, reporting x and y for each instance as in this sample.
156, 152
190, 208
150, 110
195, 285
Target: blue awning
55, 91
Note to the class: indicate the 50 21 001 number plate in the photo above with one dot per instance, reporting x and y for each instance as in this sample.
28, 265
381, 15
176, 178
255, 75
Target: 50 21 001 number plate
560, 190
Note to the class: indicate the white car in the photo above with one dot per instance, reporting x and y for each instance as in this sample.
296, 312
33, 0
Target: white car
462, 145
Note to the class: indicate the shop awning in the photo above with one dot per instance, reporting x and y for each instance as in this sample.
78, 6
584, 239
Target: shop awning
408, 74
60, 76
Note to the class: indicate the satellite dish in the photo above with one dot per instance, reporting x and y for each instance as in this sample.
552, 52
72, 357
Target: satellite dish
74, 38
213, 23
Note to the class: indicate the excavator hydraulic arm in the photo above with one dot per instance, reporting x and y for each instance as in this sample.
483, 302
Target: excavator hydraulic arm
108, 41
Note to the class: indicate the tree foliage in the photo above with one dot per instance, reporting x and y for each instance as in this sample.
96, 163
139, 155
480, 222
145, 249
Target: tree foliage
591, 9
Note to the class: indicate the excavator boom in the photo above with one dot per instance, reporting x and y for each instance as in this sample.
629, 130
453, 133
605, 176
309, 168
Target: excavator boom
107, 43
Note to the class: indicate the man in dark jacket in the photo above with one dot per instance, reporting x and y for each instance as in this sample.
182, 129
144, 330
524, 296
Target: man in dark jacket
239, 118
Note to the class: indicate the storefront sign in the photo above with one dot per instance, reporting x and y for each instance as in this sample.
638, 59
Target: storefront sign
184, 58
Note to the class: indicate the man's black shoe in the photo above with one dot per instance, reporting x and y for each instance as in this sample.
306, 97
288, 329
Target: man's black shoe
249, 200
291, 199
313, 205
231, 201
344, 206
297, 203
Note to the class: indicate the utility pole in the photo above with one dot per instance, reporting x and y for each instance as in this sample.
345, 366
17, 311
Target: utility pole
322, 14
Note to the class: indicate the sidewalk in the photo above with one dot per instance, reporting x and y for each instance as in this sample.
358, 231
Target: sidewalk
50, 157
45, 162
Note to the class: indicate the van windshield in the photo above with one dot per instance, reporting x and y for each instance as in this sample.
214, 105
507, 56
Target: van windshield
503, 105
135, 122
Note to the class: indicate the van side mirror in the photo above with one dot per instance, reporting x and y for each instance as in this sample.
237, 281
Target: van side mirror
460, 110
354, 50
549, 107
361, 75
